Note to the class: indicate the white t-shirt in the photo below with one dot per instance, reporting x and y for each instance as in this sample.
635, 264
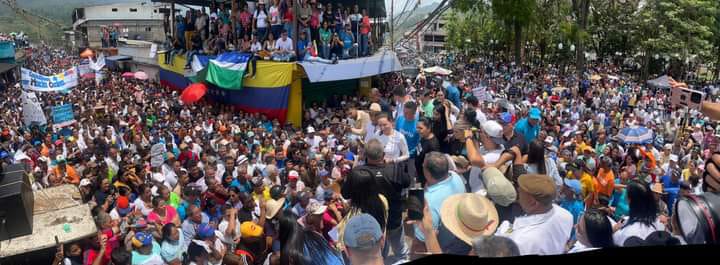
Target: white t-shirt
314, 142
171, 178
636, 229
540, 234
256, 47
228, 239
140, 204
284, 45
475, 179
275, 16
395, 145
261, 18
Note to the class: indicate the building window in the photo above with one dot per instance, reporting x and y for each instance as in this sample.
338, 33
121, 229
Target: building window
114, 10
148, 29
133, 9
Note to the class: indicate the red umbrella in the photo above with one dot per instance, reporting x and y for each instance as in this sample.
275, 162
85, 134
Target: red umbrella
128, 75
141, 75
193, 93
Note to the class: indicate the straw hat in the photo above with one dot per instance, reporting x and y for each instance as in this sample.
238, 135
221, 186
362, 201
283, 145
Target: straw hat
273, 207
469, 215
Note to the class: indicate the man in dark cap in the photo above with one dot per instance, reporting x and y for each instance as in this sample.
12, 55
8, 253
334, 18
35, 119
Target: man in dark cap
546, 228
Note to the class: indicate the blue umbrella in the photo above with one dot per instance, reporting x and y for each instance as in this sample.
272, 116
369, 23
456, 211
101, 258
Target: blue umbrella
636, 135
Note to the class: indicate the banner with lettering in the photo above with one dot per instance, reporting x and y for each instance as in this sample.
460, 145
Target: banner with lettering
63, 115
32, 110
43, 83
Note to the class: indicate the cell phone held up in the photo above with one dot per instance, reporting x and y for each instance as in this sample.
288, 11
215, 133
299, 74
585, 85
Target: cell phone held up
681, 96
415, 203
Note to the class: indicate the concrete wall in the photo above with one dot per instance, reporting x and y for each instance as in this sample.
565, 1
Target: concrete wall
123, 11
131, 28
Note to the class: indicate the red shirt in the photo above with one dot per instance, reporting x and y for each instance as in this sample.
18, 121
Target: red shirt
365, 25
245, 19
288, 16
315, 19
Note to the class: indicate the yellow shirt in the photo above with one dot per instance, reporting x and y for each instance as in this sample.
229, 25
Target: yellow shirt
266, 194
686, 174
587, 184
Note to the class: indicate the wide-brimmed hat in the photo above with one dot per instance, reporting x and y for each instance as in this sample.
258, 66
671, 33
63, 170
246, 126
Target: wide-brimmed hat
469, 215
499, 189
273, 207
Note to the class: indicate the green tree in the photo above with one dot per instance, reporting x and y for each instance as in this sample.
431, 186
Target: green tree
681, 29
515, 14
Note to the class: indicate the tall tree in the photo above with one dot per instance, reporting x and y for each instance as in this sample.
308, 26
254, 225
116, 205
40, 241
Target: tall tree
516, 14
581, 10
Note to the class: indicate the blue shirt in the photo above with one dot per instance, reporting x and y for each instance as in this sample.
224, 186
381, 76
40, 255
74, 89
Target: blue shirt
436, 195
409, 130
182, 208
619, 200
138, 258
347, 40
325, 255
672, 189
528, 131
301, 44
453, 94
576, 208
244, 187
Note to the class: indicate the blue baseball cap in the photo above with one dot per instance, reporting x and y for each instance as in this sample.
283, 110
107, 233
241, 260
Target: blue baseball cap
142, 239
534, 114
505, 118
574, 185
349, 156
205, 231
362, 232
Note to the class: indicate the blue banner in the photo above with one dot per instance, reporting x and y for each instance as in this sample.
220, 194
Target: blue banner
63, 115
57, 82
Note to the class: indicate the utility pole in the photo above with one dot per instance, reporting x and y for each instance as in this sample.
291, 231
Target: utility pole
392, 25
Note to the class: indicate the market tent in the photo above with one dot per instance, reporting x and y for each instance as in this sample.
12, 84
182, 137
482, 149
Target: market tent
380, 63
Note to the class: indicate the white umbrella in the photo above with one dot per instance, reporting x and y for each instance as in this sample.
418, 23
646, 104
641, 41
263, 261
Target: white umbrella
437, 70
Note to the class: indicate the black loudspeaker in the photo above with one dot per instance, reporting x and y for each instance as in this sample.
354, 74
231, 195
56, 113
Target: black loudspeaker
16, 202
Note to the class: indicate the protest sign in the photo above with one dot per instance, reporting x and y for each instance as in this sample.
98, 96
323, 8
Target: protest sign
63, 115
57, 82
32, 111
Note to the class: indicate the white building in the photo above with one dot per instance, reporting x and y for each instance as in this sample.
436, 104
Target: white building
137, 21
432, 37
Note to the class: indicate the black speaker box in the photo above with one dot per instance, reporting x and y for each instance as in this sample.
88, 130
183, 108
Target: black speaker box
16, 202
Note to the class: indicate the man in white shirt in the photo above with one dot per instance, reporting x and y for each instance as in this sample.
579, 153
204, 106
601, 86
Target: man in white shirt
312, 139
284, 50
545, 230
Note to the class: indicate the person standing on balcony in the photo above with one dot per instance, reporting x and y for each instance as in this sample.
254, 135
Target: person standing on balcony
364, 34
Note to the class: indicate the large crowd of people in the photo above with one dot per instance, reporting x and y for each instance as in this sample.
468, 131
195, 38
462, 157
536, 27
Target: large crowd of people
498, 160
265, 28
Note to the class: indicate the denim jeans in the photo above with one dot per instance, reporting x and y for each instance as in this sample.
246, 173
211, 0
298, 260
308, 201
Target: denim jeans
364, 45
261, 34
396, 240
276, 30
289, 28
312, 59
325, 51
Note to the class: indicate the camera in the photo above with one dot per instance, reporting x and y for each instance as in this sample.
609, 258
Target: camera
683, 96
